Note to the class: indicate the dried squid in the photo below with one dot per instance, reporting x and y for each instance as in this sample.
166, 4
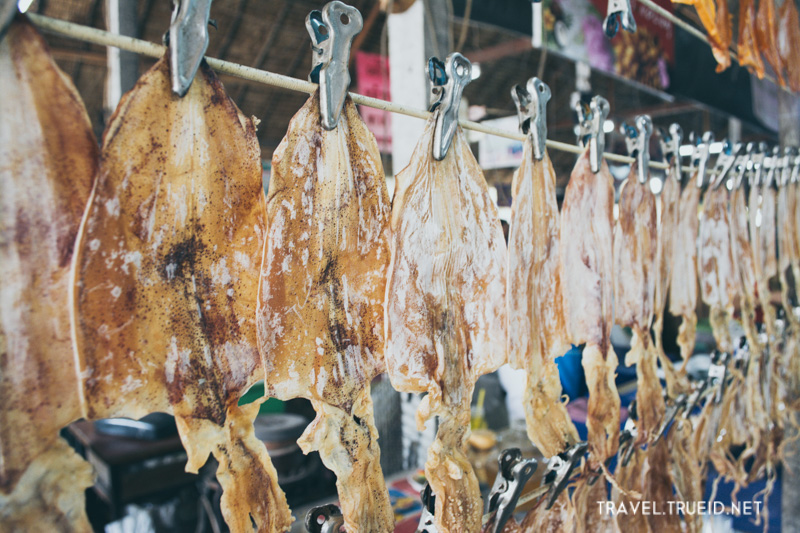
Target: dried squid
747, 46
716, 20
587, 278
683, 283
537, 331
635, 269
320, 313
766, 38
446, 308
166, 279
789, 42
48, 160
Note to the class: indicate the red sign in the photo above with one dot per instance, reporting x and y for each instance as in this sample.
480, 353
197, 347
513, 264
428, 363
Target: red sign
372, 75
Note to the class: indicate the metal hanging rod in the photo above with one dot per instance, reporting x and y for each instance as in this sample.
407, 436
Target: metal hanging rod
147, 48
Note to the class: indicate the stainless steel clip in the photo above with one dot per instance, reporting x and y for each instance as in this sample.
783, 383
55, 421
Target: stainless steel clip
8, 10
619, 12
670, 141
637, 140
426, 521
559, 470
330, 56
673, 408
512, 475
725, 161
532, 111
759, 159
700, 157
789, 155
325, 519
449, 79
744, 163
795, 169
188, 41
773, 163
591, 119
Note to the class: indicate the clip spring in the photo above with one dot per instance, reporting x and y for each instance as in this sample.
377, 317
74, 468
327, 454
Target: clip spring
591, 119
330, 56
531, 103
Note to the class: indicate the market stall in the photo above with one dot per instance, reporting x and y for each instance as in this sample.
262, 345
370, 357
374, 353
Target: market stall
347, 320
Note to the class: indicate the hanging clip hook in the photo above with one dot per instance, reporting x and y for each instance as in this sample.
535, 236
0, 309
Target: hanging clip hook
426, 519
758, 159
789, 155
670, 141
725, 161
559, 470
332, 31
448, 79
619, 13
532, 111
513, 474
744, 163
591, 119
325, 519
773, 164
700, 157
188, 41
637, 140
795, 169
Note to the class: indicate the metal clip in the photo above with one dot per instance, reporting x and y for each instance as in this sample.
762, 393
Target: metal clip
627, 441
725, 161
789, 155
330, 56
8, 10
700, 157
795, 169
772, 164
188, 41
426, 519
559, 470
759, 158
673, 408
449, 79
637, 140
325, 519
619, 11
744, 163
513, 474
532, 111
670, 141
590, 129
717, 374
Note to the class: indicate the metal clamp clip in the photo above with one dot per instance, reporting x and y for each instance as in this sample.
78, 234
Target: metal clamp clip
331, 54
188, 41
758, 159
700, 157
718, 373
637, 140
789, 155
513, 474
772, 164
590, 129
619, 11
426, 519
532, 111
449, 79
795, 169
744, 163
673, 408
670, 141
325, 519
627, 441
725, 161
559, 470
